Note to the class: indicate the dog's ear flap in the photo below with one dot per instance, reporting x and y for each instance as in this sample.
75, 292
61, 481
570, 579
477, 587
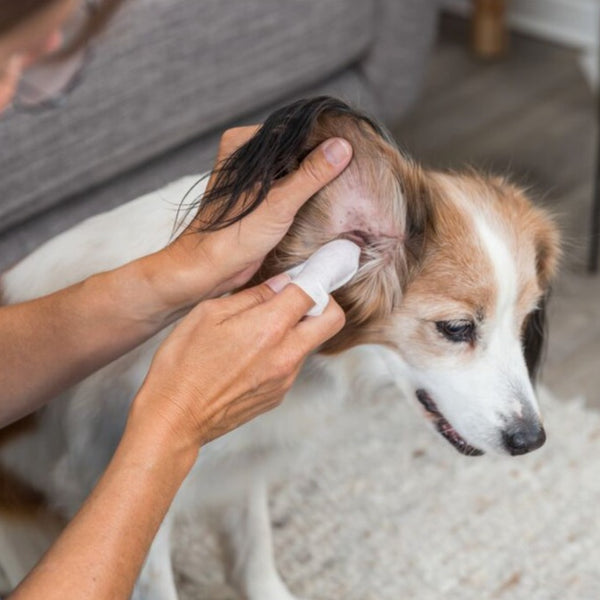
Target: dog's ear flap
547, 256
534, 338
547, 243
419, 198
245, 178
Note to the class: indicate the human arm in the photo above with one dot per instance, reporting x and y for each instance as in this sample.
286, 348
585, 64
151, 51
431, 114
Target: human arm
51, 343
227, 361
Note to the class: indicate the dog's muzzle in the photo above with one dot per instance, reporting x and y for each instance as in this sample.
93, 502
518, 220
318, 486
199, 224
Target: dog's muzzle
444, 427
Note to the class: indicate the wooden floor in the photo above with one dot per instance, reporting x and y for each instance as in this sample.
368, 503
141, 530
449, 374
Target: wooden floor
531, 115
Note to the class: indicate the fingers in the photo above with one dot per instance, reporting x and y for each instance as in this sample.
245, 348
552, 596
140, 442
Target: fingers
329, 268
239, 302
310, 333
230, 141
273, 217
287, 307
234, 138
320, 167
333, 265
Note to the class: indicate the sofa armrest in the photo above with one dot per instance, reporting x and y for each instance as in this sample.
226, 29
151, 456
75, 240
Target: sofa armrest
395, 66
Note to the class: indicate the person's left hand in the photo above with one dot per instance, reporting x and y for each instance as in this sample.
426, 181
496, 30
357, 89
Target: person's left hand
233, 254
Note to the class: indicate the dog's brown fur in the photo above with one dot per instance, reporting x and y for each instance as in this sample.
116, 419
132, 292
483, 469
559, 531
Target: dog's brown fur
421, 238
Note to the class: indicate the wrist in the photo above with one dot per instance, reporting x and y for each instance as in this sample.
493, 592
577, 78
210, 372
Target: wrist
149, 435
206, 265
150, 292
175, 283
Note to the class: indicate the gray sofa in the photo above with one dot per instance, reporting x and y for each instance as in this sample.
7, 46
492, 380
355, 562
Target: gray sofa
169, 75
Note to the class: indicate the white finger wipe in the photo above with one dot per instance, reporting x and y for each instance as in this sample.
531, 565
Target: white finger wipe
328, 269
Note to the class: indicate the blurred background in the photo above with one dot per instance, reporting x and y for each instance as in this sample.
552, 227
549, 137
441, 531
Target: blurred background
508, 86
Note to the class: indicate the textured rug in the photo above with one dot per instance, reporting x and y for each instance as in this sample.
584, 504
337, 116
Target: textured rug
391, 512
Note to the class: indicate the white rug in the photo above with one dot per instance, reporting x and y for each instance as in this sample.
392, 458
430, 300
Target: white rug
392, 512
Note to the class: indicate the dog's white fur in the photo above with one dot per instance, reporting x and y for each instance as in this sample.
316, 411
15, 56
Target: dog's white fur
64, 456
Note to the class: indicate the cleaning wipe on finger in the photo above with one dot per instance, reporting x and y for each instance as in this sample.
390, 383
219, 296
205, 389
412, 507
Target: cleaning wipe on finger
328, 269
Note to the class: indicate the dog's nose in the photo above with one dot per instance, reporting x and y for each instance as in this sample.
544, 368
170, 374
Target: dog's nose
524, 438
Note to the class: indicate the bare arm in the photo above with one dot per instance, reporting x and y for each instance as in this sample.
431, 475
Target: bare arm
50, 343
100, 553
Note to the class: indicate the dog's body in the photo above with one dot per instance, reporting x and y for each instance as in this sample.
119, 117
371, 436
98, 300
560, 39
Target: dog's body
75, 436
449, 288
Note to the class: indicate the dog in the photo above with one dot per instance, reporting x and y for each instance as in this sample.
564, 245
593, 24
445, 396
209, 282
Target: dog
454, 274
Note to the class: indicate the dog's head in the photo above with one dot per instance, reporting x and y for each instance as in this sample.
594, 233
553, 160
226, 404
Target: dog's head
455, 268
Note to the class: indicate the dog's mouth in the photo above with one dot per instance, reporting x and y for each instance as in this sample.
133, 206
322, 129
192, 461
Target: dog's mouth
444, 427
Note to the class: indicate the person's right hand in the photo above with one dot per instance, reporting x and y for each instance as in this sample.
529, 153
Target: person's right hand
229, 360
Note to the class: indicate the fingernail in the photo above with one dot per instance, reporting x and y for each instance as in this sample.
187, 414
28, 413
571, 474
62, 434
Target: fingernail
337, 151
278, 282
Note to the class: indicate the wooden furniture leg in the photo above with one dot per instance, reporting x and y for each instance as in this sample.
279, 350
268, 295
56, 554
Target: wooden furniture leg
489, 37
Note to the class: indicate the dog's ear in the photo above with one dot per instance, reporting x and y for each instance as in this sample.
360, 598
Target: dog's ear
547, 255
245, 178
537, 226
534, 338
547, 248
367, 203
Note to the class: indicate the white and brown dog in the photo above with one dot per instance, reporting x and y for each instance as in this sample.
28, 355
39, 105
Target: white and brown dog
454, 273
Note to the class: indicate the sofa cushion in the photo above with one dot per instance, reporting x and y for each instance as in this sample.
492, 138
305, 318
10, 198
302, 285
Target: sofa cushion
164, 73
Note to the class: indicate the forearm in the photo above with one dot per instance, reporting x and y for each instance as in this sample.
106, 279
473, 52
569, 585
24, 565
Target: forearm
100, 553
52, 342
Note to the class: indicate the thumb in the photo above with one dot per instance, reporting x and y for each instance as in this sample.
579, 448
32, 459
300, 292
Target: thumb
318, 169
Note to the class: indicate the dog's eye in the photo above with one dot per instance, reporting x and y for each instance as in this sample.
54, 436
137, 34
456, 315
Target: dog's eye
457, 331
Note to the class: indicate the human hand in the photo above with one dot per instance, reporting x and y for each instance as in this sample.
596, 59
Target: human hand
229, 360
233, 254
